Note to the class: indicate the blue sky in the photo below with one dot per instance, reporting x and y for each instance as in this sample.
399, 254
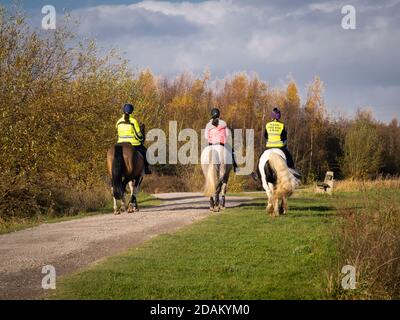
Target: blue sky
273, 38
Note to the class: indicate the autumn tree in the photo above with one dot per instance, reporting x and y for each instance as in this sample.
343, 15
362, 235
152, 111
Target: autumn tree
362, 148
57, 99
293, 118
314, 116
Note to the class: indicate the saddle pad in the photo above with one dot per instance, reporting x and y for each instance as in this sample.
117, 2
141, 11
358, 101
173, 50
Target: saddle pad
267, 153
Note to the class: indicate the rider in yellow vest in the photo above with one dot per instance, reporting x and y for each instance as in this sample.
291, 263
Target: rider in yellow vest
276, 136
129, 131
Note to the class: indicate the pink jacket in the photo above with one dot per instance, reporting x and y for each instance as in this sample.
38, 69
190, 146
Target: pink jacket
216, 135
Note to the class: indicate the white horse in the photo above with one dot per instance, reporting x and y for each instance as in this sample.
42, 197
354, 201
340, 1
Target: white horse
216, 163
278, 180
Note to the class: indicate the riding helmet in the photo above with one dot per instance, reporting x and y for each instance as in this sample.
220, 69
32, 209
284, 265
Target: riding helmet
128, 108
276, 114
215, 113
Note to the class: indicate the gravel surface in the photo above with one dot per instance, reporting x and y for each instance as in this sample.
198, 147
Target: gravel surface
71, 245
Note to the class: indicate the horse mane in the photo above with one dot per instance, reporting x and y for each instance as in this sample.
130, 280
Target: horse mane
286, 181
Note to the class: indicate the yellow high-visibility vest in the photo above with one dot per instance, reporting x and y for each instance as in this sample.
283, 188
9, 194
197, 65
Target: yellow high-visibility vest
129, 131
274, 130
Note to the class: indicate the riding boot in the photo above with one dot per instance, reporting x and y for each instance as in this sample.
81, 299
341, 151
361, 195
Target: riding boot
147, 169
289, 158
142, 149
234, 164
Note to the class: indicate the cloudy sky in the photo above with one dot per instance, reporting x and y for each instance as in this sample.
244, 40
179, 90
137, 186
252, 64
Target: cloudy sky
274, 38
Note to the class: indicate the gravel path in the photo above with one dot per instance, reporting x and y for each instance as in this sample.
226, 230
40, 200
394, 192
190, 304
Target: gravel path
71, 245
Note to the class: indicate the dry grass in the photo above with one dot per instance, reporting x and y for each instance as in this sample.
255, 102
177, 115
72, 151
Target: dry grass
360, 185
157, 183
369, 240
26, 206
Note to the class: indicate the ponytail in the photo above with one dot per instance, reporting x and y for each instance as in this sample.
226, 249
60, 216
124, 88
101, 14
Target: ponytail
126, 117
215, 122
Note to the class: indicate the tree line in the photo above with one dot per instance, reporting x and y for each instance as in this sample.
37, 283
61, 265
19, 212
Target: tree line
60, 99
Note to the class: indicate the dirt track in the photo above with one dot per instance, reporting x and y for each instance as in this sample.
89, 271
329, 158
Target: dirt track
74, 244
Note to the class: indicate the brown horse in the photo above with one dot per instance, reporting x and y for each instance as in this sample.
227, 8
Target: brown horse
125, 166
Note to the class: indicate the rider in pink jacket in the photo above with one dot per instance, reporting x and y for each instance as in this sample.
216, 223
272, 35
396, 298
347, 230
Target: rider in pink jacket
217, 132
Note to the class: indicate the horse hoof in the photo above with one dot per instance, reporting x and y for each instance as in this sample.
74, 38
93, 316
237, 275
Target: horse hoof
132, 209
117, 212
217, 209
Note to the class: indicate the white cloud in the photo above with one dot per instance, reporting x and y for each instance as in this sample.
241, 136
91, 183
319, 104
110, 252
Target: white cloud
326, 7
209, 12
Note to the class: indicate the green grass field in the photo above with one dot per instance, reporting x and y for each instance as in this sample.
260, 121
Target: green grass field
239, 254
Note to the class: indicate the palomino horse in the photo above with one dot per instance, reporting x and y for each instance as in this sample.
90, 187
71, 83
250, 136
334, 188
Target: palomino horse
278, 180
216, 163
125, 165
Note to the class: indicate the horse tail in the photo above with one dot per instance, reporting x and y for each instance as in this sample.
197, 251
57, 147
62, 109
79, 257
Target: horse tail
286, 181
118, 173
211, 183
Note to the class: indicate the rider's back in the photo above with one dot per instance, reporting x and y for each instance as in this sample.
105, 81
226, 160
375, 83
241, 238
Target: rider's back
216, 134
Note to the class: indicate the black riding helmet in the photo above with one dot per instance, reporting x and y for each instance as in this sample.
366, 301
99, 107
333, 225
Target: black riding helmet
128, 108
215, 113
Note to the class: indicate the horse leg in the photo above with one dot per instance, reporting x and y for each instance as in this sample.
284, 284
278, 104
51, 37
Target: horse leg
212, 204
115, 205
275, 202
123, 206
216, 202
223, 202
138, 182
284, 206
223, 191
268, 190
267, 186
217, 193
135, 191
132, 202
133, 206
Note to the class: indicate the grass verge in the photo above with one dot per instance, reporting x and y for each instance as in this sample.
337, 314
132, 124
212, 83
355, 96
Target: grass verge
239, 254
